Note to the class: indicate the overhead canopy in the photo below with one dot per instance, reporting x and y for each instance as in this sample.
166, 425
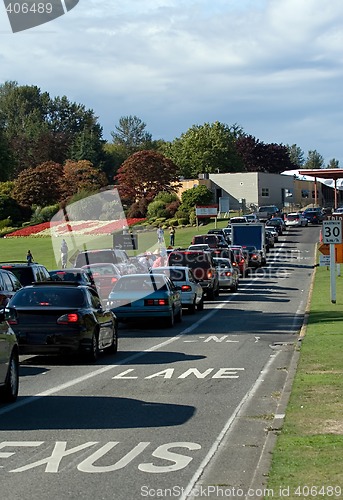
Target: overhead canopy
324, 173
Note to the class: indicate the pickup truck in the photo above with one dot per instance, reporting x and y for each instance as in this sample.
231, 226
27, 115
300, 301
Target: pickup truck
266, 212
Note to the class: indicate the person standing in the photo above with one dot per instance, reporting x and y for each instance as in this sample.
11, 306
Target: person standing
172, 235
64, 253
29, 257
160, 235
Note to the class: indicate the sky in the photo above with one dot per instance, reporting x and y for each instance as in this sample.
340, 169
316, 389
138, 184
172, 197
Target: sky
273, 67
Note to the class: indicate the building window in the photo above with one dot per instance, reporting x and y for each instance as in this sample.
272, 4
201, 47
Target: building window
265, 191
314, 194
305, 193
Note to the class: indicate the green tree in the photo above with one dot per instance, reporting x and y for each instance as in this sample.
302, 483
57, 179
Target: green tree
6, 159
333, 163
296, 155
314, 160
144, 174
131, 135
40, 129
198, 195
206, 148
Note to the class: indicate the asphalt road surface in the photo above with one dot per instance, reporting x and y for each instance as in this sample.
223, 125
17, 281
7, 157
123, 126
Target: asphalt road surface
182, 412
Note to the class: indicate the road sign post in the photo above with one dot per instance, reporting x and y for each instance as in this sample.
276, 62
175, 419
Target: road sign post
332, 234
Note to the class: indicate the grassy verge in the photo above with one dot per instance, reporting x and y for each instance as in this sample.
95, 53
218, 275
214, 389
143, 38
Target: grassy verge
42, 248
309, 449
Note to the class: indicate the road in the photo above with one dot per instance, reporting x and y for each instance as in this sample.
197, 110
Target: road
181, 412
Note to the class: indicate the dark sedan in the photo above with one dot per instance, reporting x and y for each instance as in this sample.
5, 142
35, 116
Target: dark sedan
76, 274
59, 318
9, 362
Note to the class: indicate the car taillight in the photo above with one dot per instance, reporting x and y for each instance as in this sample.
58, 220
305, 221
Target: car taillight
227, 273
114, 280
234, 264
156, 302
254, 256
186, 288
12, 321
209, 274
68, 318
242, 261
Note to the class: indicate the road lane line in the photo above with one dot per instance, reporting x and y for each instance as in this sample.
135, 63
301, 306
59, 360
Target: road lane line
228, 427
54, 390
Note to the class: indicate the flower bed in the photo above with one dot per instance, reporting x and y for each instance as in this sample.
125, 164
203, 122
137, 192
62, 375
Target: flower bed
75, 227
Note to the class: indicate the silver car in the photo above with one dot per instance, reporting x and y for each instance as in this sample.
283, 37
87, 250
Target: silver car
9, 362
228, 275
192, 294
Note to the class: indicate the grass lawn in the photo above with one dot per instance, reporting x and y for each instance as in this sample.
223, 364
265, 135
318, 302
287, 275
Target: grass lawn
46, 250
309, 449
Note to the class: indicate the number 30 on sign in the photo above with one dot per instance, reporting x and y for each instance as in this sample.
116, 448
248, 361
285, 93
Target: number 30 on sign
332, 231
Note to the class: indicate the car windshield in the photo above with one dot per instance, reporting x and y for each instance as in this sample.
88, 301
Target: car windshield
61, 297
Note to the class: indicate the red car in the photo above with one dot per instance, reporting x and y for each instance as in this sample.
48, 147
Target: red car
240, 259
104, 276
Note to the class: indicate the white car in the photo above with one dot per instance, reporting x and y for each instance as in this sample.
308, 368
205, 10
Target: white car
296, 219
192, 294
228, 275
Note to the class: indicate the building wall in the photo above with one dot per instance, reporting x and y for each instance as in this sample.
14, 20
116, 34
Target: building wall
252, 189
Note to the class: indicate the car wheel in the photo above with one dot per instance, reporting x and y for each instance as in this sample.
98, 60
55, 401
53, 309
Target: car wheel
171, 319
178, 317
93, 354
191, 308
113, 348
200, 305
9, 392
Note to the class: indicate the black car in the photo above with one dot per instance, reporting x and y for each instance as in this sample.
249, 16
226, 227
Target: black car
315, 216
9, 361
59, 318
9, 285
26, 273
78, 275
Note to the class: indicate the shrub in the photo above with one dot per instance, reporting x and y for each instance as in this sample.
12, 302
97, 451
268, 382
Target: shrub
44, 214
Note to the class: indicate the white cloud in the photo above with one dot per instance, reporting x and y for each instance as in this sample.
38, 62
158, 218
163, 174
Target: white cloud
273, 66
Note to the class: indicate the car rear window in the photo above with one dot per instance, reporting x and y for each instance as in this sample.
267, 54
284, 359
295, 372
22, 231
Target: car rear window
194, 260
24, 274
86, 258
39, 297
292, 217
173, 274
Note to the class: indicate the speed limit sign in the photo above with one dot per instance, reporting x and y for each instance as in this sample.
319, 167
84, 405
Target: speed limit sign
332, 231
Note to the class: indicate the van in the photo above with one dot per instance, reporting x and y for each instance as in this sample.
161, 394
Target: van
106, 256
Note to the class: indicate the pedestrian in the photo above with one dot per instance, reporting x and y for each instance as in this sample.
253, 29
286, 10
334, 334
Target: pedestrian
172, 235
160, 235
29, 257
64, 253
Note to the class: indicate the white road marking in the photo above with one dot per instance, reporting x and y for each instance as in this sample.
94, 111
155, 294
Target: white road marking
104, 369
228, 427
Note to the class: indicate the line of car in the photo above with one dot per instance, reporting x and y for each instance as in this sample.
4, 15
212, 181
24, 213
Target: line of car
77, 310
